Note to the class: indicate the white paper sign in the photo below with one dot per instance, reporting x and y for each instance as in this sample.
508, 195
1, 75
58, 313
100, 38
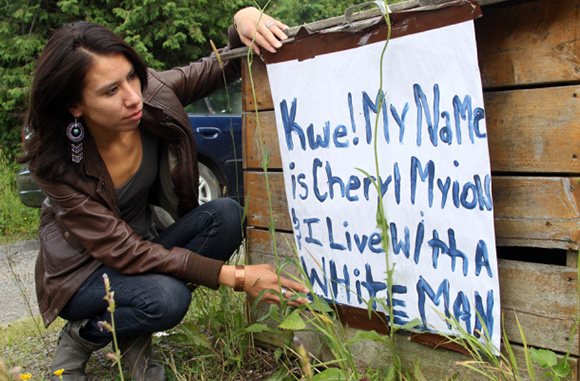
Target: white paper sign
434, 174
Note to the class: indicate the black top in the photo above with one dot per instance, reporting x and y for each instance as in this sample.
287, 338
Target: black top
133, 196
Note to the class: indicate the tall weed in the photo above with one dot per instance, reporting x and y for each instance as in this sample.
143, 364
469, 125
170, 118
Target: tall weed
17, 222
504, 366
212, 342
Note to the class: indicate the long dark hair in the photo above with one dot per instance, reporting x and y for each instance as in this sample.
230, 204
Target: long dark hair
58, 82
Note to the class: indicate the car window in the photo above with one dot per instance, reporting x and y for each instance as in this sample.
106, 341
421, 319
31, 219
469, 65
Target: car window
221, 102
199, 107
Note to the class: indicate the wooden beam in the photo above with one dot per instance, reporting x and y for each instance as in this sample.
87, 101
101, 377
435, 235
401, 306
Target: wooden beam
263, 125
543, 297
256, 93
529, 211
257, 201
536, 211
524, 135
529, 43
572, 258
534, 130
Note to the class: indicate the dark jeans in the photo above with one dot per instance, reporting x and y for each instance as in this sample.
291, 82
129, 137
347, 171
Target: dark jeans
147, 303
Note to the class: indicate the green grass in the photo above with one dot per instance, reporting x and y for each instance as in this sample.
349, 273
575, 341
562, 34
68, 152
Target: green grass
202, 347
17, 221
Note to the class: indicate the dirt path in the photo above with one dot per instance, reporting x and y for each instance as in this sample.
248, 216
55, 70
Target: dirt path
17, 278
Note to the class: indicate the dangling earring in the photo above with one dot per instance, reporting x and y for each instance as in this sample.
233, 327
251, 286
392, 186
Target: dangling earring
75, 133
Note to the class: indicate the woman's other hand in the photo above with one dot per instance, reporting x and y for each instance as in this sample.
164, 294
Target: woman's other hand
258, 278
267, 30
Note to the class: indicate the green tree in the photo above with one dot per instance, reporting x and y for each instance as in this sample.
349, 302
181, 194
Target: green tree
298, 12
165, 33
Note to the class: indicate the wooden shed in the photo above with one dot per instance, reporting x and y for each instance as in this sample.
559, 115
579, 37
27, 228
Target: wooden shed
529, 57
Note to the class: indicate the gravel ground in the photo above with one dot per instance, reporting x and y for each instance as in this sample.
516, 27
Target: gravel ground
17, 278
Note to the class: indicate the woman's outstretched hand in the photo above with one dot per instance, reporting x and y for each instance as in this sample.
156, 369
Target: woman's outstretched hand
267, 30
263, 277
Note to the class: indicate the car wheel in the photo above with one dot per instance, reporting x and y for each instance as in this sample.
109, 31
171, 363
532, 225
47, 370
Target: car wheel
209, 188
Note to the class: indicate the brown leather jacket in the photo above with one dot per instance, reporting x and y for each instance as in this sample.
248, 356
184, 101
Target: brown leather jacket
80, 225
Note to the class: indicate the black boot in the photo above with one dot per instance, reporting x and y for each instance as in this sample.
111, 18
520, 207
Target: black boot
138, 356
72, 352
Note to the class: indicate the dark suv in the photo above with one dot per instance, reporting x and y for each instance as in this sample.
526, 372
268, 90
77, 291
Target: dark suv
216, 122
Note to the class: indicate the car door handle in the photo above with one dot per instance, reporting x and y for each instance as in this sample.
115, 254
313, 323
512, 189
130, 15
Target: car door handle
208, 132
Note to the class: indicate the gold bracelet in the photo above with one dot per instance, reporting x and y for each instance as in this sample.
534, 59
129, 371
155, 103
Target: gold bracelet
240, 277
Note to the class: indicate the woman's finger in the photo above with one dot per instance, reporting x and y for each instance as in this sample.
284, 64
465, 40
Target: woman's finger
277, 29
267, 31
248, 42
266, 38
288, 293
293, 285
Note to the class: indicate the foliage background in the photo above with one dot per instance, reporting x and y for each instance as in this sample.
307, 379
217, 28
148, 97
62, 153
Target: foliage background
165, 33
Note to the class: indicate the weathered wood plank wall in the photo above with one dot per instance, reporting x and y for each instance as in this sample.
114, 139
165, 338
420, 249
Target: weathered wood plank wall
529, 54
542, 296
